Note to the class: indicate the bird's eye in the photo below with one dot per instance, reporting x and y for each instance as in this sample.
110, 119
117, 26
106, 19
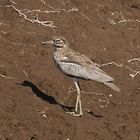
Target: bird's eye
58, 41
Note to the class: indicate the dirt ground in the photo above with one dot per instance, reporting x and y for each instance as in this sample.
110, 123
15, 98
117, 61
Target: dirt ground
34, 94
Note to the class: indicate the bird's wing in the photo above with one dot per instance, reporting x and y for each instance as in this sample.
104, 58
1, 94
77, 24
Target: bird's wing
78, 65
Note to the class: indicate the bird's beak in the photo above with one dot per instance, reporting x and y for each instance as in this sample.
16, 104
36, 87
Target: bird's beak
47, 42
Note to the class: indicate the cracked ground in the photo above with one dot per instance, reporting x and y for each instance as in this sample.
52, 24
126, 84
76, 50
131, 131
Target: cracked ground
34, 94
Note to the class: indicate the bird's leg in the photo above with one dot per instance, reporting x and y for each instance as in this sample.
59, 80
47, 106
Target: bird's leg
80, 106
78, 97
78, 101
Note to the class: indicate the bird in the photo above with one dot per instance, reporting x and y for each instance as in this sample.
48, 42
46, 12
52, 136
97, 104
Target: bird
78, 66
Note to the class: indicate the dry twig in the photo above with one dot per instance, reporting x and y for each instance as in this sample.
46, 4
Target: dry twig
6, 77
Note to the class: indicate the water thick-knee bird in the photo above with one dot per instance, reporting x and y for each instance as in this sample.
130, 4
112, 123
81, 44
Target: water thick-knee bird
77, 66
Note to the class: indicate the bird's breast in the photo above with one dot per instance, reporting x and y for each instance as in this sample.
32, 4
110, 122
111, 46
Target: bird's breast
57, 56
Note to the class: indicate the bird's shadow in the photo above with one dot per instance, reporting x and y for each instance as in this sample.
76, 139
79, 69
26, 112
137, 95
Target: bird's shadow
43, 95
50, 99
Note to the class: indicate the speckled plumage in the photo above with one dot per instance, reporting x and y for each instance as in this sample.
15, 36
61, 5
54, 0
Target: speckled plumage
74, 64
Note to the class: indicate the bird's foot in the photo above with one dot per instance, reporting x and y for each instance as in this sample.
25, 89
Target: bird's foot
74, 114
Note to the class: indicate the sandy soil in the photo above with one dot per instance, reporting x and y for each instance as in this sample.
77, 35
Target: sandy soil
34, 94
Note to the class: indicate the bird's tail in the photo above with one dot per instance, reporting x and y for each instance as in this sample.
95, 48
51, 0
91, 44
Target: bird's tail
112, 86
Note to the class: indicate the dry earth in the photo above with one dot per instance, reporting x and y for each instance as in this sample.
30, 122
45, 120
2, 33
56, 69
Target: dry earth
34, 94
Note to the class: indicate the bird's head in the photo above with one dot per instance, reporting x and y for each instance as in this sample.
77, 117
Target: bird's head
57, 42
